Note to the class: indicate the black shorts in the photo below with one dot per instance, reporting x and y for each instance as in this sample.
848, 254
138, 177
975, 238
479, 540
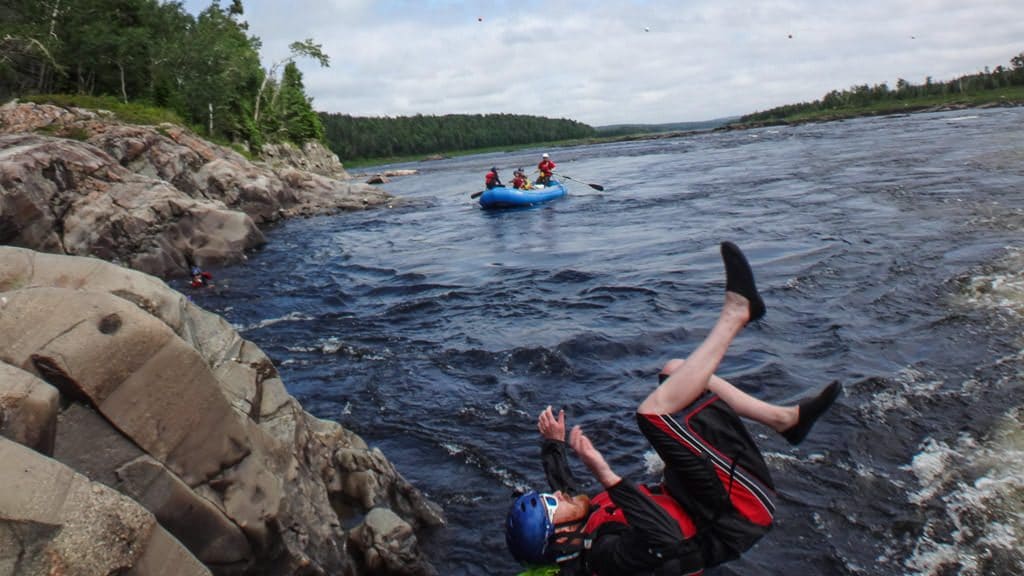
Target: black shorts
714, 469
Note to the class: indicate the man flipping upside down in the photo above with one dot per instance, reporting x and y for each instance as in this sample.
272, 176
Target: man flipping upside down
715, 500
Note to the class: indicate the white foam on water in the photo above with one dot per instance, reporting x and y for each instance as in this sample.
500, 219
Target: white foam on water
780, 459
290, 317
302, 348
908, 384
978, 483
653, 464
333, 345
1001, 288
980, 486
452, 448
934, 465
502, 474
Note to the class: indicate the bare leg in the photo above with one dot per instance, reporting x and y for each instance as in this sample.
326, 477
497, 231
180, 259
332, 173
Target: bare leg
691, 379
778, 418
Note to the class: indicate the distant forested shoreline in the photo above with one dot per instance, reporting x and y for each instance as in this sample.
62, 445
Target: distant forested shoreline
1000, 84
356, 138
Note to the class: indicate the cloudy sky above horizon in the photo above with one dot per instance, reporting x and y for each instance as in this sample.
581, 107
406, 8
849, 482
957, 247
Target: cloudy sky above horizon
631, 61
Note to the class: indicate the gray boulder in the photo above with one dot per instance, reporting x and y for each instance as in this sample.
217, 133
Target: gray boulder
28, 409
70, 197
55, 521
312, 157
167, 404
79, 182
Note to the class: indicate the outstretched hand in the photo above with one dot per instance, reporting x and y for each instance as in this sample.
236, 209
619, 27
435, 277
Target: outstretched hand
550, 427
592, 458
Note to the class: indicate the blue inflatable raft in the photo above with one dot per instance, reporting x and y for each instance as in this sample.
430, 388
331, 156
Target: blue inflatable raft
502, 197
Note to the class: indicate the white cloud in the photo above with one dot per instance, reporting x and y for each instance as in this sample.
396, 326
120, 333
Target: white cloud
700, 59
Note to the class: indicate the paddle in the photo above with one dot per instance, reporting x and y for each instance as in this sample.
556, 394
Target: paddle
476, 195
597, 187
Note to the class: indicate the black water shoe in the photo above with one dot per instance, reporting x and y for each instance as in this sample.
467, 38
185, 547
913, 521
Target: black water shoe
810, 410
739, 278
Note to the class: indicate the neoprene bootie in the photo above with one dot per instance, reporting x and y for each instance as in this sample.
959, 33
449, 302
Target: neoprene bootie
739, 278
811, 409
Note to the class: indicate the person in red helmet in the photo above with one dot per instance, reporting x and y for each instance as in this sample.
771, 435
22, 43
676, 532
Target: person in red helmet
715, 499
491, 180
546, 169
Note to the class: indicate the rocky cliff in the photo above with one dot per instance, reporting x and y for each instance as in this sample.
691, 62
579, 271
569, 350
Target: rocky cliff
139, 434
142, 435
78, 182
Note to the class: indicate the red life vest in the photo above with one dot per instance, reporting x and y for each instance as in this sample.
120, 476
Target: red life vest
606, 511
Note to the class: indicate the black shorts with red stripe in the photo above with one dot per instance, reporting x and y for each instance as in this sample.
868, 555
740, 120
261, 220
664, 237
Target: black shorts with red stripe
715, 471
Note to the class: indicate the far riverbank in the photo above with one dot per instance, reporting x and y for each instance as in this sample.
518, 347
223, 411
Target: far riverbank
1006, 97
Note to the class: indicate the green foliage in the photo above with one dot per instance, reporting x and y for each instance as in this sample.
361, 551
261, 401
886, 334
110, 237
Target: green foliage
77, 133
205, 68
132, 113
299, 119
986, 86
310, 49
353, 138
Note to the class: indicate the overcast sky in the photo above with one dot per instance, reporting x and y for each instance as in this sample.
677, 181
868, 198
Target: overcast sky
636, 61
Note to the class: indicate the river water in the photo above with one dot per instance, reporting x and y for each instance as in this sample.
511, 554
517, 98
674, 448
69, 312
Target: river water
888, 252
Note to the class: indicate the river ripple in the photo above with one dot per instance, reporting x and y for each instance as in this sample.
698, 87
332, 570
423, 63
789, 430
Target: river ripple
888, 251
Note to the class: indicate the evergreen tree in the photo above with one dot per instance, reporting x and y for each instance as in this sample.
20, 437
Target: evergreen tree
300, 121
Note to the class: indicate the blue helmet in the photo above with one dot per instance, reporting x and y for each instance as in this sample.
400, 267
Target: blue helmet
528, 527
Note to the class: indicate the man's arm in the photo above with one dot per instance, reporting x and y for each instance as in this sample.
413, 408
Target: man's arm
556, 463
654, 537
593, 458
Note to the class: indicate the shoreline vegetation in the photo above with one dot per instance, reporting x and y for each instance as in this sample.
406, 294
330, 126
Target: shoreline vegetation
1008, 97
139, 113
203, 69
1001, 86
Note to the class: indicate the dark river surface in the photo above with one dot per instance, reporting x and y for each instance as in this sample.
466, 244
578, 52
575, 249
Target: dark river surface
889, 254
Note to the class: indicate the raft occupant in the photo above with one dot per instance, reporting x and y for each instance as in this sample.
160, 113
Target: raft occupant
519, 180
491, 180
715, 499
546, 169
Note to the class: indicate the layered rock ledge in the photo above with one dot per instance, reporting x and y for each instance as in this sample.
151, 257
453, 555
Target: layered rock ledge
142, 435
78, 182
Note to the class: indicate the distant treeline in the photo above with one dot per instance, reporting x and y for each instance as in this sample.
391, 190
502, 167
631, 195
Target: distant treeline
864, 95
633, 129
205, 68
355, 138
